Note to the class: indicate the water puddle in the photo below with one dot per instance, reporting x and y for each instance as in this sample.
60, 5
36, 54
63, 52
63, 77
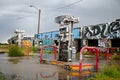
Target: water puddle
44, 76
29, 68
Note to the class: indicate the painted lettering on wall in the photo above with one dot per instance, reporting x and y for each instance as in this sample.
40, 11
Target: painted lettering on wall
106, 30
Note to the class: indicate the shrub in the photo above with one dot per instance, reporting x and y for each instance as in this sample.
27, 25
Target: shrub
15, 51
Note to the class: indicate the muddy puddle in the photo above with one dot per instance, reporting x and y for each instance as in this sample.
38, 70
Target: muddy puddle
29, 68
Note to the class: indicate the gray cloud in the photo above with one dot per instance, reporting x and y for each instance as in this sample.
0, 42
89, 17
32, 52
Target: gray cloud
17, 14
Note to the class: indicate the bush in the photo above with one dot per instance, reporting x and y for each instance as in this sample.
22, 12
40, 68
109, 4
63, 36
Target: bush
15, 51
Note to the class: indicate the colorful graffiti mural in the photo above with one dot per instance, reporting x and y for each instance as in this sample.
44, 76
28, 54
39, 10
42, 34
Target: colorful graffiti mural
106, 30
103, 35
49, 42
76, 32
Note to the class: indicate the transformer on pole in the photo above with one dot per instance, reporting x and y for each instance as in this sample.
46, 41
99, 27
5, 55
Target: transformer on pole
66, 36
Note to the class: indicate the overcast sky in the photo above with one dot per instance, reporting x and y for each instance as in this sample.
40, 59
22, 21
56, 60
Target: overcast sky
16, 14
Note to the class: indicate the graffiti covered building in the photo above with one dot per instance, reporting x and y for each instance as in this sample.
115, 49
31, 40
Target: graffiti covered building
100, 35
106, 35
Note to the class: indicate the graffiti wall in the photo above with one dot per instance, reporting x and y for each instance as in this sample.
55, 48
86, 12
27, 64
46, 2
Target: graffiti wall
106, 30
49, 42
76, 33
55, 35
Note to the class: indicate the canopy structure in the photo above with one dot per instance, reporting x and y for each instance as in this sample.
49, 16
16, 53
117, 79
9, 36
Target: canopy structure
66, 19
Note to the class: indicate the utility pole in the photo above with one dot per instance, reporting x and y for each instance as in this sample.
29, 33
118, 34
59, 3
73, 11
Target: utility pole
38, 30
39, 21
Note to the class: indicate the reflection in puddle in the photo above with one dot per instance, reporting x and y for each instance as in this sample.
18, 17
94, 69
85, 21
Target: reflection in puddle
14, 60
63, 76
46, 76
10, 77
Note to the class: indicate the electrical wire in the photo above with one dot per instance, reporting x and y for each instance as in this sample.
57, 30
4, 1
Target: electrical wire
68, 5
50, 11
63, 7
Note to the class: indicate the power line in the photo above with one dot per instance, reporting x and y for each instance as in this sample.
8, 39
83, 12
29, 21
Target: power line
59, 8
71, 4
63, 7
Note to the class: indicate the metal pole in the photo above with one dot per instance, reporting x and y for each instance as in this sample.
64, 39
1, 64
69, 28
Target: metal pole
41, 52
70, 41
54, 48
19, 39
38, 17
81, 37
39, 21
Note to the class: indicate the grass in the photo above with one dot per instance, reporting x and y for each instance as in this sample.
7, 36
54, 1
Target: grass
111, 72
4, 48
116, 57
2, 76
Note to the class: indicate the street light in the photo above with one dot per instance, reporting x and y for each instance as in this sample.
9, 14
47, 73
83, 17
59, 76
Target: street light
38, 17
